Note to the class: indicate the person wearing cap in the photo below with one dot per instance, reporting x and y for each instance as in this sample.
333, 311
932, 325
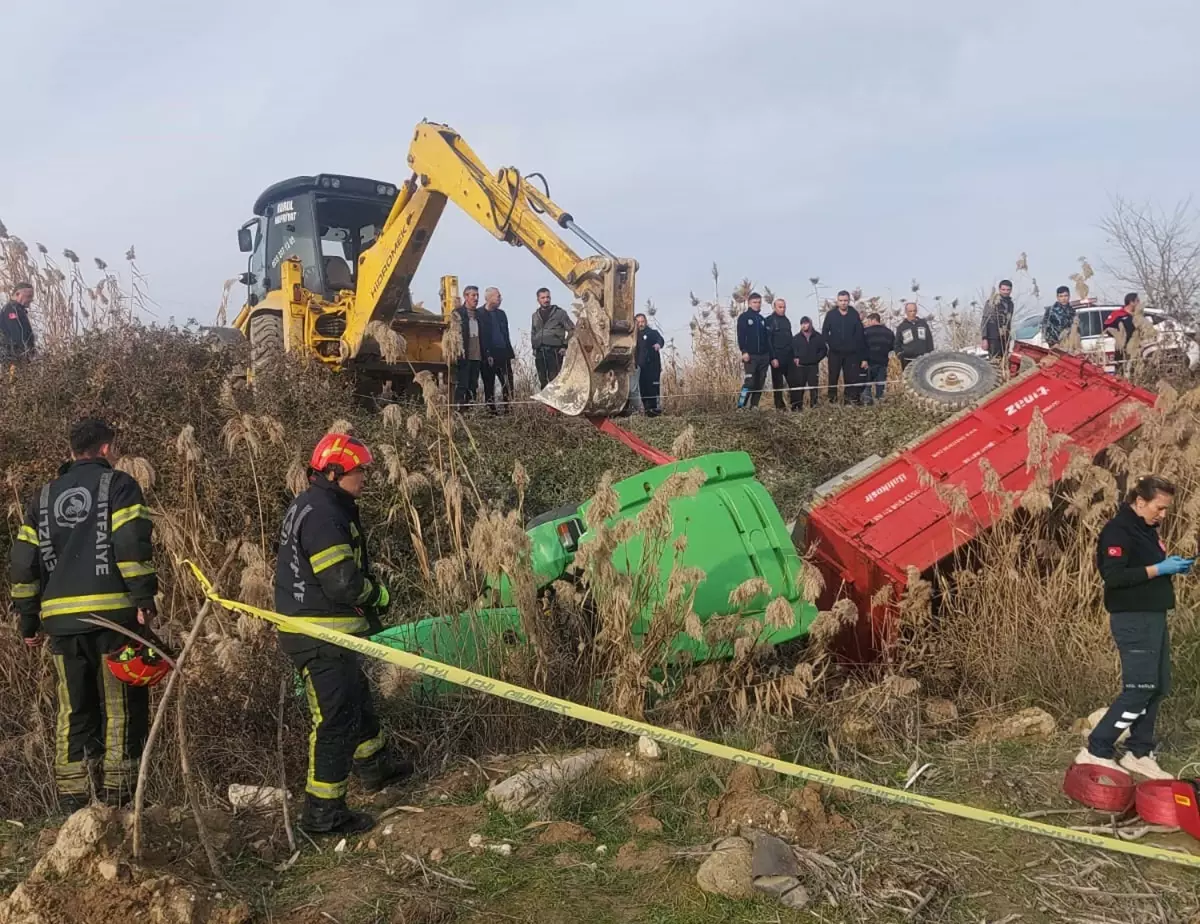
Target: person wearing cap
1139, 593
16, 333
323, 577
804, 376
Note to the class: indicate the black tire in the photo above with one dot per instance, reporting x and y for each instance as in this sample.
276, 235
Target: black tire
948, 381
266, 341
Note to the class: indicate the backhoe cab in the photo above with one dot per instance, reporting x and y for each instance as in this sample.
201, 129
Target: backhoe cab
305, 245
332, 258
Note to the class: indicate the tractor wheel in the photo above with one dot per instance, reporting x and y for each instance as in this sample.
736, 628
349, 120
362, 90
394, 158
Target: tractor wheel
266, 341
950, 381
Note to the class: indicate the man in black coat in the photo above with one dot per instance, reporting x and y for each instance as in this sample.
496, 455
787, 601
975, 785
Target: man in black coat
497, 351
16, 333
466, 371
847, 345
779, 342
880, 343
808, 349
914, 337
649, 365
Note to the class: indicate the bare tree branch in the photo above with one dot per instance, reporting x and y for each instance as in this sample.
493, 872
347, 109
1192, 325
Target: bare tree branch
1156, 252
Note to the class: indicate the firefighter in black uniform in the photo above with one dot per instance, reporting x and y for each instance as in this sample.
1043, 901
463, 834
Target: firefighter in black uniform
84, 549
323, 576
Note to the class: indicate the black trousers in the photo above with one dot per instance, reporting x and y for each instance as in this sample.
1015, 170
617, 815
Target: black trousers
650, 386
466, 382
99, 717
548, 364
849, 369
497, 370
754, 378
805, 380
779, 382
1145, 648
345, 727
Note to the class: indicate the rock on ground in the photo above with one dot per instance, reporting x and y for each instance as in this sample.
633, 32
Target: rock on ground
632, 856
1028, 723
565, 832
727, 870
534, 787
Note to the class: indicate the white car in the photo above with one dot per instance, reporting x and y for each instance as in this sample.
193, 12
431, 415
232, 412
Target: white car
1173, 338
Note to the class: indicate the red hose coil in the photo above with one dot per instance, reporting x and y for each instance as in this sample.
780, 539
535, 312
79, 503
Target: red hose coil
1101, 788
1156, 803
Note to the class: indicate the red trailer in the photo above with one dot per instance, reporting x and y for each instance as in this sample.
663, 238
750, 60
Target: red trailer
878, 519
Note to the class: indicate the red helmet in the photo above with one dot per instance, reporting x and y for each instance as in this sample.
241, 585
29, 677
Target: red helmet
137, 665
340, 453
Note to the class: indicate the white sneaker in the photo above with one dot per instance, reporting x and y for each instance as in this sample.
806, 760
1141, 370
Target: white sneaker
1087, 757
1145, 766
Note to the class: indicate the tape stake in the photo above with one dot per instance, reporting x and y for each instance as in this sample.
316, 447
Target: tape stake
464, 678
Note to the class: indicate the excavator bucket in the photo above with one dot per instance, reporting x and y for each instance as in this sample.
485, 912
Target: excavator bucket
594, 379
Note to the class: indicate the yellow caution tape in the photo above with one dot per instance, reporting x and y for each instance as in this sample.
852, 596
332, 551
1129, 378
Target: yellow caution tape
473, 681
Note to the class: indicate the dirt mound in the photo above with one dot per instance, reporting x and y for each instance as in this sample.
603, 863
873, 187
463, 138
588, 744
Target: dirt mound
798, 816
84, 877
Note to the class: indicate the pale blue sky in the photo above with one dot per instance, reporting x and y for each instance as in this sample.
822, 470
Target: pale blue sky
863, 141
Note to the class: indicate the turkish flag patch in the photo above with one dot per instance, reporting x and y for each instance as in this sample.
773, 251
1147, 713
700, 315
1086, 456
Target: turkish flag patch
1114, 551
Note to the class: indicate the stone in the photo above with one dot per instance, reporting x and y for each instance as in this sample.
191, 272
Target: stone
772, 858
648, 749
565, 832
1028, 723
795, 899
940, 711
535, 786
110, 870
632, 856
726, 871
775, 886
645, 824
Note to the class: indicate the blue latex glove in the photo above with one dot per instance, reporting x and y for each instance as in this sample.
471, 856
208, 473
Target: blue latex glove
1174, 564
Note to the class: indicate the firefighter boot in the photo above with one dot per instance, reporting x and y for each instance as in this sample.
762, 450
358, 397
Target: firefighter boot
331, 816
381, 770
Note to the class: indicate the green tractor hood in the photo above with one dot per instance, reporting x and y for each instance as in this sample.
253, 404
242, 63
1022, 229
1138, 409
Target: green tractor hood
734, 533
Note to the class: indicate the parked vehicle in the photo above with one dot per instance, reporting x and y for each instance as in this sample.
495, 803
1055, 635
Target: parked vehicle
1174, 343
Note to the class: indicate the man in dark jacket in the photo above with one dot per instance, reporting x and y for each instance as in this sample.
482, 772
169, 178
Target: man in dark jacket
914, 338
808, 349
649, 365
466, 372
1059, 319
552, 328
847, 345
754, 343
880, 343
996, 321
1138, 594
498, 351
16, 333
323, 576
1120, 325
84, 549
779, 341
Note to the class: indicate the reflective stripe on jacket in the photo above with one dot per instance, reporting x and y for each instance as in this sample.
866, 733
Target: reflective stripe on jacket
84, 548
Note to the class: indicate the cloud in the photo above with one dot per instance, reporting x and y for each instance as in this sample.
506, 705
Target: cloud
866, 143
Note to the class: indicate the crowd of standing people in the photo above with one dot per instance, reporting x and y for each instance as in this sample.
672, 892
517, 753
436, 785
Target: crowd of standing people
856, 352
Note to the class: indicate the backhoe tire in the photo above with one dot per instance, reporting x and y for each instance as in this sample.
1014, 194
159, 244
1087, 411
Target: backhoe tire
949, 381
266, 341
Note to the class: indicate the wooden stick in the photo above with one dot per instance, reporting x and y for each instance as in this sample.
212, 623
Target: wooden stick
139, 797
287, 818
190, 786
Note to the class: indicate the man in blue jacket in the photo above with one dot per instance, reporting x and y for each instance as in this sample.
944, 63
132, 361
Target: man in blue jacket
753, 341
847, 344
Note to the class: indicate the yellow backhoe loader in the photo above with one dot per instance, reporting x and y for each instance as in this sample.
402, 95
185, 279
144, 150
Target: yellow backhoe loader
332, 258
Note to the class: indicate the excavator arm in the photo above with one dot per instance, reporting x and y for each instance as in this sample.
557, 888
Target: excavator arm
600, 356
